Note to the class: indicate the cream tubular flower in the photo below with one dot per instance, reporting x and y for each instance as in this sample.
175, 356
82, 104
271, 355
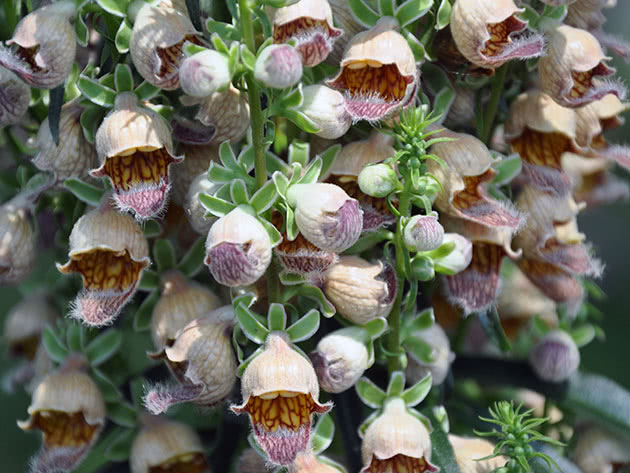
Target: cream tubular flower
43, 46
488, 33
378, 73
15, 98
470, 451
280, 393
18, 243
24, 324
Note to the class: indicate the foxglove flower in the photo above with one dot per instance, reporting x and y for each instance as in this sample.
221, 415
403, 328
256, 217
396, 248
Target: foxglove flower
309, 24
278, 66
75, 156
18, 243
469, 165
202, 360
280, 394
488, 33
159, 33
166, 445
353, 161
43, 46
195, 212
181, 302
600, 451
475, 289
14, 98
110, 252
24, 324
227, 112
396, 441
470, 454
238, 249
555, 357
339, 360
540, 131
570, 70
197, 161
443, 357
327, 217
376, 80
135, 147
326, 107
68, 408
202, 74
359, 290
423, 233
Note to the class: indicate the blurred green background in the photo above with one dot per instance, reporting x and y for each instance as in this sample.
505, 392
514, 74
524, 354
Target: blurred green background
607, 228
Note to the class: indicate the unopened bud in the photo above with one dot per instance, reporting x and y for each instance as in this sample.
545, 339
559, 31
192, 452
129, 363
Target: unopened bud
238, 249
326, 107
14, 99
196, 212
378, 180
423, 233
555, 357
278, 66
326, 215
202, 74
18, 244
437, 339
339, 361
461, 256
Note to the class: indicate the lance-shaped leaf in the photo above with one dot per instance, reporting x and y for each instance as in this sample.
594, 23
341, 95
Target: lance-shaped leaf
146, 91
250, 325
215, 205
225, 30
507, 169
53, 345
123, 78
114, 7
238, 192
276, 317
443, 15
419, 349
299, 153
396, 384
122, 413
416, 393
312, 172
376, 327
422, 321
123, 37
149, 280
491, 325
583, 335
371, 395
192, 262
90, 120
363, 13
142, 318
164, 255
119, 447
152, 228
411, 10
386, 7
305, 327
54, 111
328, 158
74, 337
103, 347
264, 197
106, 386
238, 339
316, 294
274, 235
323, 433
300, 119
80, 28
96, 92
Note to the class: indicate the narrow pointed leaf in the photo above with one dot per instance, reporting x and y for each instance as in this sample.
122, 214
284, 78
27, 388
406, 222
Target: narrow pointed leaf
316, 294
494, 330
106, 386
274, 235
227, 157
291, 279
386, 7
164, 255
96, 92
123, 37
305, 327
146, 91
418, 349
363, 13
81, 29
238, 192
281, 182
323, 433
423, 321
74, 336
152, 228
396, 384
442, 452
54, 346
192, 262
298, 153
85, 192
312, 172
583, 335
142, 318
243, 366
216, 206
149, 280
293, 99
416, 393
376, 327
371, 395
250, 325
90, 120
276, 317
119, 448
227, 31
123, 78
301, 120
103, 347
507, 169
122, 413
412, 10
264, 197
443, 15
328, 158
116, 8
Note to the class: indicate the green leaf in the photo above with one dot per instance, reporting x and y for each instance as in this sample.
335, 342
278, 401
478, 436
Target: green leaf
420, 350
142, 317
305, 327
316, 294
276, 317
116, 8
54, 346
192, 262
396, 384
123, 37
531, 16
164, 255
323, 433
371, 395
81, 29
443, 101
228, 32
96, 92
216, 206
300, 120
74, 336
412, 10
441, 450
106, 386
264, 197
507, 169
494, 330
54, 111
122, 413
291, 279
216, 41
85, 192
363, 13
238, 192
146, 91
281, 182
194, 13
123, 78
291, 224
443, 15
416, 45
416, 393
328, 158
376, 327
149, 280
90, 119
247, 57
312, 172
386, 7
250, 325
119, 448
583, 335
274, 235
152, 228
299, 153
423, 321
291, 99
555, 13
103, 347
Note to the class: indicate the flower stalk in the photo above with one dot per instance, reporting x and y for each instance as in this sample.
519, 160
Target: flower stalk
495, 95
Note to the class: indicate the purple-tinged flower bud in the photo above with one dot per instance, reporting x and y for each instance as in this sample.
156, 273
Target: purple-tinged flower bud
437, 339
202, 360
278, 66
181, 302
24, 324
469, 453
326, 107
309, 23
488, 33
423, 233
43, 46
159, 33
238, 249
361, 291
326, 215
18, 243
164, 445
600, 451
135, 147
195, 212
280, 394
461, 256
339, 361
75, 156
68, 408
202, 74
14, 98
555, 357
110, 252
378, 180
396, 441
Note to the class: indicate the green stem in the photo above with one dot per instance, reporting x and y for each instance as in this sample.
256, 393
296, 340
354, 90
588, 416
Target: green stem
393, 340
491, 109
256, 116
10, 18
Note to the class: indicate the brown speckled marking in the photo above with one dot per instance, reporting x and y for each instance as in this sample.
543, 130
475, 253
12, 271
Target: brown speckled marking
106, 269
287, 31
26, 347
351, 186
28, 56
187, 463
555, 283
542, 149
140, 167
385, 81
500, 36
289, 410
398, 464
63, 429
472, 193
171, 57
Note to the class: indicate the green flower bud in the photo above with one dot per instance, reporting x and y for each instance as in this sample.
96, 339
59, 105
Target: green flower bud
378, 180
278, 66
